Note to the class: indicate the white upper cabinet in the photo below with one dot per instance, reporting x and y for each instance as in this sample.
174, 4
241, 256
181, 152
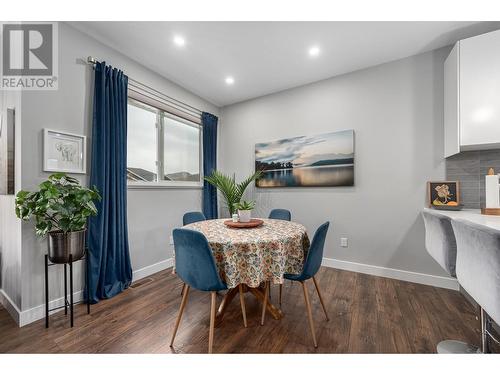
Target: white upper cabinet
472, 94
451, 103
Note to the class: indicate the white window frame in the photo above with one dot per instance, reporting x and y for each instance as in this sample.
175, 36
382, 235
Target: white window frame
165, 184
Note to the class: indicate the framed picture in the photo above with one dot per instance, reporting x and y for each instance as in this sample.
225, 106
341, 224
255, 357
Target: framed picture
443, 193
64, 152
307, 161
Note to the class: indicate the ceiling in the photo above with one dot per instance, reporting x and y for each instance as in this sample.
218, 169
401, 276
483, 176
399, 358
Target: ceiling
266, 57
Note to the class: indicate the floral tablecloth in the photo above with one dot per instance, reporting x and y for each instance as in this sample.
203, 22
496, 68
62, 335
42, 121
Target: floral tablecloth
251, 256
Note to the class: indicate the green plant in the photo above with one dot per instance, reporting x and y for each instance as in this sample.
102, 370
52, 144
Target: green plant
61, 204
230, 190
245, 205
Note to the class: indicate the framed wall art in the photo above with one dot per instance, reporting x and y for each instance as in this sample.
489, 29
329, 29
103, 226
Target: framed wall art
307, 161
64, 152
443, 194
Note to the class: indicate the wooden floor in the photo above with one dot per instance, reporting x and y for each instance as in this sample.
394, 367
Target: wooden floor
367, 315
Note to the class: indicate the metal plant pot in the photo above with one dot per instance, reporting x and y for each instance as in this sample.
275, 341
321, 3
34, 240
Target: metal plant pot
61, 245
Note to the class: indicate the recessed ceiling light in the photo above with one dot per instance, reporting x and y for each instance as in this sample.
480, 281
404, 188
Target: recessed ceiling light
229, 80
179, 40
314, 51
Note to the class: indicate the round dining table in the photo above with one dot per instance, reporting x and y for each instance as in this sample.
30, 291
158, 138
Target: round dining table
253, 256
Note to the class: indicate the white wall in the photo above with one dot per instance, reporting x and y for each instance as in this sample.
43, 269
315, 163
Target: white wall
396, 111
10, 226
152, 214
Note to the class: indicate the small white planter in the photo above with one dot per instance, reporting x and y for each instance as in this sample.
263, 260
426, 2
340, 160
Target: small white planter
245, 215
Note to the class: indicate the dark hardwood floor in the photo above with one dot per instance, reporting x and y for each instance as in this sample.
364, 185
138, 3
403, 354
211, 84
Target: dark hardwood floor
367, 315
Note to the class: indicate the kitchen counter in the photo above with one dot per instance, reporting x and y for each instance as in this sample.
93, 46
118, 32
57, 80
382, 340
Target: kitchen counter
474, 216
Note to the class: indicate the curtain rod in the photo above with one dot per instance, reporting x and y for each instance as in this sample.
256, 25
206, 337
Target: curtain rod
155, 94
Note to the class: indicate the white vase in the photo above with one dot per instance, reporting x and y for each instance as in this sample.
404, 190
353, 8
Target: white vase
245, 215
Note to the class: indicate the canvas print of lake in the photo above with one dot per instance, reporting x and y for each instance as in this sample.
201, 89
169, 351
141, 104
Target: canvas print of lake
320, 160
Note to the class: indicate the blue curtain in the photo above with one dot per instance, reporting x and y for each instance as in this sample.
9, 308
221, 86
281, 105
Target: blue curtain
209, 123
110, 270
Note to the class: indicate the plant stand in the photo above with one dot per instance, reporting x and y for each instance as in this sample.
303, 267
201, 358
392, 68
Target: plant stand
66, 303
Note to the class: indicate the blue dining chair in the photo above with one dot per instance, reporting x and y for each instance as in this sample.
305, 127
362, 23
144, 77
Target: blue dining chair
280, 214
189, 218
311, 267
195, 265
193, 217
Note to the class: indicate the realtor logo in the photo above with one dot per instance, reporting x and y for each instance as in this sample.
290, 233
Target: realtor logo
29, 56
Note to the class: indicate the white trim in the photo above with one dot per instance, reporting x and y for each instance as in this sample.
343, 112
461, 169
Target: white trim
25, 317
10, 306
153, 268
28, 316
165, 185
38, 312
414, 277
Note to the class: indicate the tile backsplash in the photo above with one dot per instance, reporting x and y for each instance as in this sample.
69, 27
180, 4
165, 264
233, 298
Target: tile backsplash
469, 168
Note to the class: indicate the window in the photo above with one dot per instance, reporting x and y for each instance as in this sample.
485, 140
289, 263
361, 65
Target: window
162, 149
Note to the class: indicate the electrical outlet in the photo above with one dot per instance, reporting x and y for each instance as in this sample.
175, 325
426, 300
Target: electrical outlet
344, 242
171, 240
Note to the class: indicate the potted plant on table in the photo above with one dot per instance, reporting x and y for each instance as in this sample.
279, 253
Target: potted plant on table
230, 190
245, 210
60, 209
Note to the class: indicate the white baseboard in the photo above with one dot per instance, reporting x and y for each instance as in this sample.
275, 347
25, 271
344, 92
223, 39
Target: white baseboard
414, 277
153, 268
10, 306
38, 312
28, 316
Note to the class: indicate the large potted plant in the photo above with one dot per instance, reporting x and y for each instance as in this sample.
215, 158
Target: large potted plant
60, 209
230, 190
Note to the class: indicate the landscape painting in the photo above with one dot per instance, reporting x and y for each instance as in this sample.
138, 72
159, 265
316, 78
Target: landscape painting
307, 161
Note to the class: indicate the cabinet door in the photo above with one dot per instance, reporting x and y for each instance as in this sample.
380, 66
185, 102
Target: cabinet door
480, 90
451, 103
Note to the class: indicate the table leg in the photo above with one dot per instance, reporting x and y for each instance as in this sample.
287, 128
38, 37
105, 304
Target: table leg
275, 312
228, 297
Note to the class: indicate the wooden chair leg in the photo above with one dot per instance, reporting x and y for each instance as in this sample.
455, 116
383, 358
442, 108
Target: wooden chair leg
309, 312
281, 292
213, 306
264, 304
320, 297
185, 293
269, 290
242, 302
182, 290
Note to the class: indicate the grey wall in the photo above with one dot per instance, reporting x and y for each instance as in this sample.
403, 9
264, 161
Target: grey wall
396, 111
152, 214
469, 168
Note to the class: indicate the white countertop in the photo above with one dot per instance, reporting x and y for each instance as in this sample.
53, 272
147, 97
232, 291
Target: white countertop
474, 216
